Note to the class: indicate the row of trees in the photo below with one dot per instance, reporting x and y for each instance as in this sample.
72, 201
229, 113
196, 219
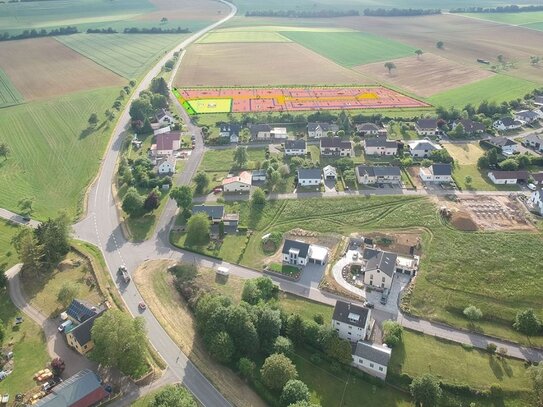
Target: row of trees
501, 9
302, 13
399, 12
150, 100
156, 30
492, 159
526, 321
41, 33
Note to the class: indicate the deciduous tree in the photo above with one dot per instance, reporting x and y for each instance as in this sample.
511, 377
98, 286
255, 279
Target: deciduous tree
258, 197
93, 120
426, 390
133, 202
241, 157
4, 150
221, 347
527, 322
390, 66
202, 181
198, 229
392, 333
536, 374
293, 392
67, 293
283, 345
173, 396
182, 196
152, 201
473, 313
440, 45
277, 370
246, 368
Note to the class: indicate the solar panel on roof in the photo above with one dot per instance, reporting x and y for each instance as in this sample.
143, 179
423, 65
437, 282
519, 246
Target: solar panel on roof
79, 311
353, 317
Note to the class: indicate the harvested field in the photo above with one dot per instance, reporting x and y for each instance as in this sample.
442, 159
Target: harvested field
187, 10
466, 39
242, 36
425, 76
43, 67
259, 64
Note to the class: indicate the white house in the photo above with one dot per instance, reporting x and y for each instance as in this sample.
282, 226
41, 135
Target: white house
422, 148
507, 123
166, 165
239, 183
295, 252
380, 146
309, 176
164, 118
527, 116
230, 131
378, 175
260, 131
436, 173
335, 147
508, 177
166, 144
372, 359
369, 129
379, 267
351, 321
258, 176
535, 141
319, 130
279, 133
329, 172
295, 147
506, 145
536, 200
426, 127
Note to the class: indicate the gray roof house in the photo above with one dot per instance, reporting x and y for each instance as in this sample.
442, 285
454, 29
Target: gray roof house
366, 174
295, 252
351, 314
371, 358
335, 146
442, 169
258, 176
426, 127
379, 260
368, 128
527, 116
213, 212
538, 100
295, 147
470, 126
535, 141
309, 176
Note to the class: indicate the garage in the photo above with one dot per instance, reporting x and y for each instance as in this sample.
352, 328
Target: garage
318, 254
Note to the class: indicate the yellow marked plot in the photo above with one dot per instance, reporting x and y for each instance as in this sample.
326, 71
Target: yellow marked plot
211, 105
367, 96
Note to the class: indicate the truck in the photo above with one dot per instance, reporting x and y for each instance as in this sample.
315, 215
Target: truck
124, 273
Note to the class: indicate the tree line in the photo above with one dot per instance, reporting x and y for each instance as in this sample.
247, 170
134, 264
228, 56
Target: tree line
41, 33
302, 14
501, 9
398, 12
136, 30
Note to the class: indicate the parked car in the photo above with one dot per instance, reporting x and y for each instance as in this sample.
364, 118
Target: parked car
369, 305
142, 306
384, 296
66, 324
223, 271
531, 187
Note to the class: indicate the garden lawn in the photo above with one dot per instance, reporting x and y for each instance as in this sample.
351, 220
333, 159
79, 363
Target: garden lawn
307, 309
223, 160
284, 269
454, 364
498, 88
351, 48
51, 159
8, 255
480, 181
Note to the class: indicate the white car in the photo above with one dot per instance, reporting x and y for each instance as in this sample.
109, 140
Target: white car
531, 187
223, 271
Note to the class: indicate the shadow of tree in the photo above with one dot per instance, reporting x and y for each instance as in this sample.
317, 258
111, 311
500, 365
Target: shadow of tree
86, 132
496, 368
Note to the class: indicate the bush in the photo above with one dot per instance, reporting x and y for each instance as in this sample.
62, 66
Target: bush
283, 345
527, 322
293, 392
473, 313
491, 348
496, 391
392, 333
246, 368
319, 319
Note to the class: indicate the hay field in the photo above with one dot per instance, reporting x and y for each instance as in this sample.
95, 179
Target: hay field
351, 48
50, 160
187, 10
466, 39
245, 64
127, 55
426, 76
242, 36
464, 154
43, 67
9, 95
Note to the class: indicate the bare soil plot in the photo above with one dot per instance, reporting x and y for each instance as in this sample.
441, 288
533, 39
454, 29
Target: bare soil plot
43, 67
244, 64
465, 39
187, 10
427, 75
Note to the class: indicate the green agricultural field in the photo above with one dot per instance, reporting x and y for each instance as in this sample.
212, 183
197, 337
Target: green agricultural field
351, 48
9, 95
51, 159
457, 268
535, 26
128, 55
523, 19
498, 88
454, 364
242, 36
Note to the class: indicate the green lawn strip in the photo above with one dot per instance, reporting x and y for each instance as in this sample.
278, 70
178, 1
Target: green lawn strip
351, 48
534, 26
307, 309
9, 95
8, 255
284, 269
498, 88
455, 364
525, 18
230, 249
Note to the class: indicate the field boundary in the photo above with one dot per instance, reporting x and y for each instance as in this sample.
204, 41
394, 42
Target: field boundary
9, 94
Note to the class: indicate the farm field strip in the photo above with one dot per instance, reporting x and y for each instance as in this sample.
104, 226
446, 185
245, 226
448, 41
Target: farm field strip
242, 36
280, 28
9, 95
241, 100
128, 55
519, 19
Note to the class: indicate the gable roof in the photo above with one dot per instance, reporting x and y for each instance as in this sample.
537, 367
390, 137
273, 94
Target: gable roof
381, 142
329, 170
231, 128
351, 314
441, 169
302, 247
522, 175
367, 127
212, 211
84, 385
244, 177
538, 99
258, 127
165, 141
423, 145
324, 126
335, 142
501, 142
527, 114
309, 173
82, 332
427, 124
295, 144
378, 259
80, 311
535, 138
170, 159
471, 126
508, 121
161, 113
538, 177
258, 173
374, 353
378, 171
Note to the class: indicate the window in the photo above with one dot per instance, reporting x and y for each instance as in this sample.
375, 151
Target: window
380, 368
337, 322
383, 280
361, 361
371, 364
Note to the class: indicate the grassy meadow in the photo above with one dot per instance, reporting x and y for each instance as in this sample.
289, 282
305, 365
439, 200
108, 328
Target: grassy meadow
351, 48
9, 95
8, 255
51, 159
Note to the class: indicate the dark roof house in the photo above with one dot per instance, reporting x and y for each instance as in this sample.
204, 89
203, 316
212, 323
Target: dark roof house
166, 141
368, 351
79, 311
379, 260
212, 211
471, 126
82, 332
230, 129
378, 171
295, 144
381, 142
501, 142
351, 314
442, 169
426, 124
257, 128
335, 142
301, 247
309, 173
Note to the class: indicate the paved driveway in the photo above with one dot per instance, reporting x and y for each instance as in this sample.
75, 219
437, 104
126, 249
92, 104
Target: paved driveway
391, 307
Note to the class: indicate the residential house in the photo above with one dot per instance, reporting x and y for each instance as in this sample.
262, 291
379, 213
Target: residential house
369, 129
79, 336
538, 178
538, 101
426, 127
301, 253
230, 131
258, 176
335, 147
164, 118
81, 390
260, 132
329, 173
166, 144
422, 148
470, 126
215, 213
380, 146
379, 267
535, 141
295, 147
378, 175
309, 177
371, 358
238, 183
508, 177
166, 165
506, 145
279, 133
319, 130
351, 321
436, 173
536, 200
527, 116
507, 123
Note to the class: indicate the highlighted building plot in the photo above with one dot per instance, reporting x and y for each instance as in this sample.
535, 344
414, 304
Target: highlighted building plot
245, 100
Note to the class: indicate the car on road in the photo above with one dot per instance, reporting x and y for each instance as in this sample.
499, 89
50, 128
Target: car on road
142, 306
124, 273
26, 218
531, 187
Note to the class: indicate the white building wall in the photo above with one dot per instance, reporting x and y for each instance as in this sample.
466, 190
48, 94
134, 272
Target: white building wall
295, 152
372, 368
236, 187
306, 182
350, 332
376, 278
